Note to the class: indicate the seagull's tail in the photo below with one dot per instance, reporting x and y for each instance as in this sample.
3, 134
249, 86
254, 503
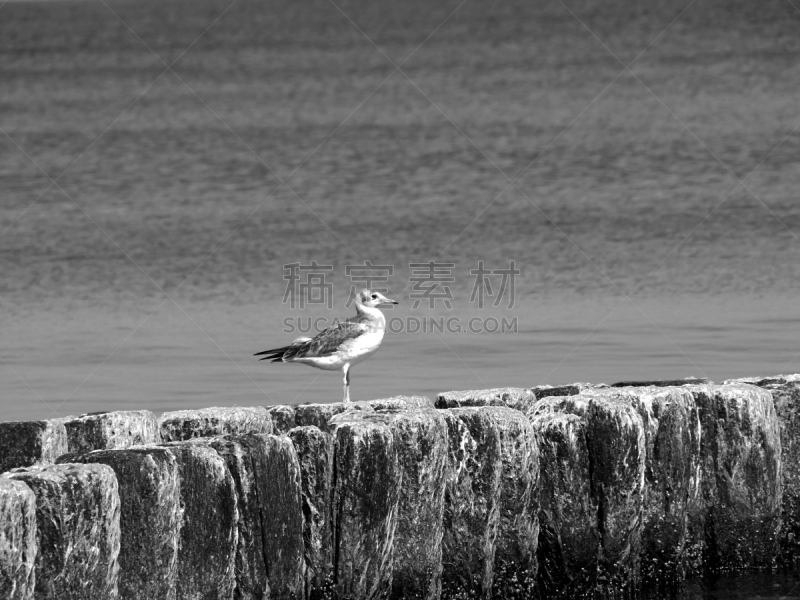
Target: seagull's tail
275, 355
281, 354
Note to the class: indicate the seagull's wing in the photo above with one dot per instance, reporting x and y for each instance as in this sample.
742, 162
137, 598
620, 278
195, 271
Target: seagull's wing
276, 354
325, 343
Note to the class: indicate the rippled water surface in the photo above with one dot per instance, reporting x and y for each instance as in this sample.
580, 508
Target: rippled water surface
652, 212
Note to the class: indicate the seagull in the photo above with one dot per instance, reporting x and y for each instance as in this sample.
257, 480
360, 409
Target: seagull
340, 346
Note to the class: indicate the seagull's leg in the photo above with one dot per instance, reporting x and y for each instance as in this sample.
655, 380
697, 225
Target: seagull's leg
346, 370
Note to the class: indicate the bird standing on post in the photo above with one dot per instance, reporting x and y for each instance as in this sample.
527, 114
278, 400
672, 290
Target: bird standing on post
340, 346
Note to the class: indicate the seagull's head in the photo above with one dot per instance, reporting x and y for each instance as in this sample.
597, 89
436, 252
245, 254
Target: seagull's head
372, 299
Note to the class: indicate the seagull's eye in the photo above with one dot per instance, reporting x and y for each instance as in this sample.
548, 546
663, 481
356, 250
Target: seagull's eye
374, 296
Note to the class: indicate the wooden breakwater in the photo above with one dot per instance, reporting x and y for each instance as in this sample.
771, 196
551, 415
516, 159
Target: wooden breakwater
578, 491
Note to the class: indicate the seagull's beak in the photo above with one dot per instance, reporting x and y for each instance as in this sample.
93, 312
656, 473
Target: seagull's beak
385, 300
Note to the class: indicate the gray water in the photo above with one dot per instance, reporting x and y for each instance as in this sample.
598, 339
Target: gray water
652, 213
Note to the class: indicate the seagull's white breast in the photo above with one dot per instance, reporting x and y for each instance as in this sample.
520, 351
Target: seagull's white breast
357, 349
